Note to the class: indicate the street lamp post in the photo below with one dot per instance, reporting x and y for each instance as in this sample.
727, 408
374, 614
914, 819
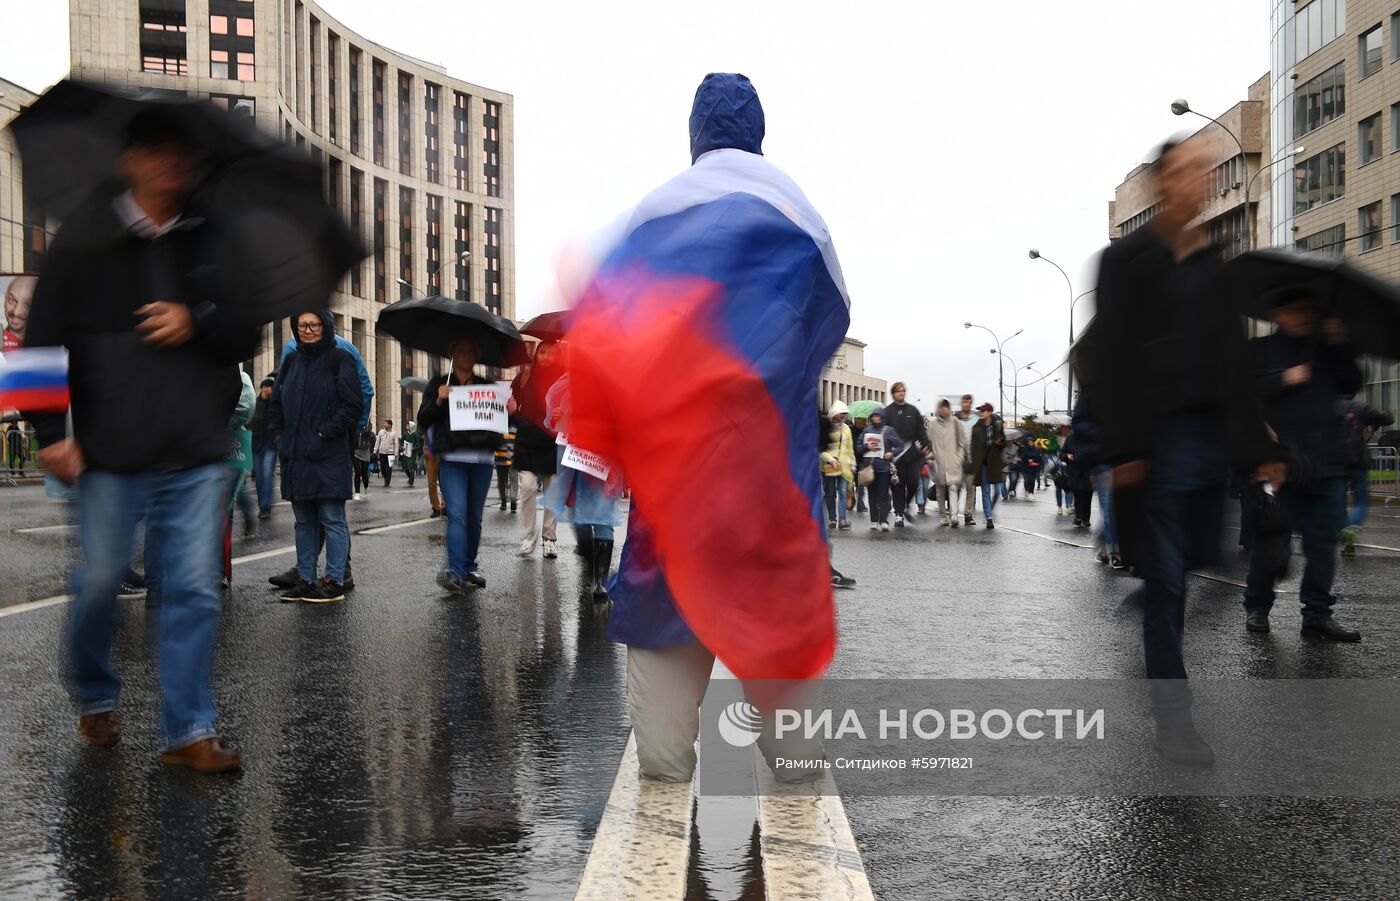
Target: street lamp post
409, 285
1036, 255
1001, 382
1252, 223
1015, 386
1031, 367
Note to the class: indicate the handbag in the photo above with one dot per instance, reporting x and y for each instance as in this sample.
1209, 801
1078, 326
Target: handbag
866, 476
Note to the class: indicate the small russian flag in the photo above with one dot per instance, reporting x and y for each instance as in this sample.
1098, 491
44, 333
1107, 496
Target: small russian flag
34, 380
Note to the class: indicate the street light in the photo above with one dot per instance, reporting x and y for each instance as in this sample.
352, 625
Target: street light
434, 271
1036, 255
1031, 367
1001, 383
1180, 108
1252, 225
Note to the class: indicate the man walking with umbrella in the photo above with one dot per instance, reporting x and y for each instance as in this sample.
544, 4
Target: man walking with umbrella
1166, 362
173, 345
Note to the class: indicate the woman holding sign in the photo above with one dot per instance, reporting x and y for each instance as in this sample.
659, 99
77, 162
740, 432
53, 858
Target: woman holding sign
581, 494
466, 416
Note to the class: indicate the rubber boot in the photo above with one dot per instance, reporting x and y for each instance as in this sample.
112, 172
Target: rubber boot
602, 568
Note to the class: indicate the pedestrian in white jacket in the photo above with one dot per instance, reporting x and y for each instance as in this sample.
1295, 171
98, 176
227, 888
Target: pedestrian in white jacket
948, 440
386, 445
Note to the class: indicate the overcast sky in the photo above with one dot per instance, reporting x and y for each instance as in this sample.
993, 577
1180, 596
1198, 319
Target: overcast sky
940, 141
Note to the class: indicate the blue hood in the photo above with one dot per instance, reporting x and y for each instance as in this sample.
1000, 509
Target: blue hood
726, 113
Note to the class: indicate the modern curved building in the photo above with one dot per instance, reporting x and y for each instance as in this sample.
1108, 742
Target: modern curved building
420, 163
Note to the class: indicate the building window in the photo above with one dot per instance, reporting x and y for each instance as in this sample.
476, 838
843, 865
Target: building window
1225, 177
1395, 218
356, 61
1395, 35
378, 77
357, 227
332, 70
1368, 52
461, 243
405, 123
1368, 223
1368, 138
1320, 100
334, 173
460, 105
405, 242
432, 136
1319, 179
1138, 221
491, 149
1230, 231
1314, 27
434, 245
313, 77
162, 36
381, 189
491, 246
247, 106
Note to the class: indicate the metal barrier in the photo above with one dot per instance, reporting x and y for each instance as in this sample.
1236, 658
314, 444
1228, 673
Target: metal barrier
25, 465
1385, 472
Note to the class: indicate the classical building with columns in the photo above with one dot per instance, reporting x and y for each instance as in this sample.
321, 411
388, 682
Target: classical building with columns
844, 379
421, 164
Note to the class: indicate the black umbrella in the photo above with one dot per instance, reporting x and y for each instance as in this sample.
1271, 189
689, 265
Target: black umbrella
282, 248
549, 326
432, 323
1369, 306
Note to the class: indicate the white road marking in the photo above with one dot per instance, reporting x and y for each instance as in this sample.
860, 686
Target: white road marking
65, 598
380, 530
1087, 547
38, 529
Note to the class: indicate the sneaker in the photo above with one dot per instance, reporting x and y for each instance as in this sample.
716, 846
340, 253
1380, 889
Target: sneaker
550, 552
831, 524
898, 522
435, 514
1059, 511
512, 506
991, 525
884, 527
844, 527
526, 549
841, 581
298, 592
1102, 555
250, 528
921, 510
476, 578
1115, 561
874, 527
265, 513
359, 496
451, 582
953, 523
128, 591
289, 579
348, 583
968, 520
327, 591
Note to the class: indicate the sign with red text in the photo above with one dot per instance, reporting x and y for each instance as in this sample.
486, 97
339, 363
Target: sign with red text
479, 408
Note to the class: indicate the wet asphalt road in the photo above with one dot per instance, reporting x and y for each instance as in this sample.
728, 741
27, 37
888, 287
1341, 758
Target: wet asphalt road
976, 604
406, 745
402, 745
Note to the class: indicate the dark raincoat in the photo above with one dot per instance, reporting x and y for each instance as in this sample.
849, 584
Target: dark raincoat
316, 403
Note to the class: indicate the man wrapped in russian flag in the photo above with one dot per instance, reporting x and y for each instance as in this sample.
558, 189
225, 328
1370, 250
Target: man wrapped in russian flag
696, 353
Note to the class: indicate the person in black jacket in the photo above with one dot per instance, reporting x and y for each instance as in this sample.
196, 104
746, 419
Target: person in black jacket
264, 454
467, 461
313, 413
131, 287
1359, 423
908, 423
1166, 363
535, 457
1302, 369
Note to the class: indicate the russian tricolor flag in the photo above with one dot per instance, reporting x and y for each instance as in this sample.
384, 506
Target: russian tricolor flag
34, 380
694, 360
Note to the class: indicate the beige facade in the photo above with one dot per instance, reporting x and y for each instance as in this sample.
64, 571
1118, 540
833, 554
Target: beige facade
1351, 203
20, 229
844, 379
1227, 213
429, 162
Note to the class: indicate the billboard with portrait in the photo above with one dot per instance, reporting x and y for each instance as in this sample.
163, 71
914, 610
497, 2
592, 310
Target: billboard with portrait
17, 291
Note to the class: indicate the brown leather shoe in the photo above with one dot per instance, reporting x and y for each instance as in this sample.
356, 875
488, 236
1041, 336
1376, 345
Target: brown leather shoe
100, 729
208, 755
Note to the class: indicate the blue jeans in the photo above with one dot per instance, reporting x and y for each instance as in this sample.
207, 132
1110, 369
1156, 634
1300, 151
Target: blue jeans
464, 489
184, 522
1316, 513
835, 492
1102, 478
989, 493
313, 518
264, 466
1358, 483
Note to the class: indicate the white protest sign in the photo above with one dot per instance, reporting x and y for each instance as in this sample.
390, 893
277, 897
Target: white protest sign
586, 462
479, 408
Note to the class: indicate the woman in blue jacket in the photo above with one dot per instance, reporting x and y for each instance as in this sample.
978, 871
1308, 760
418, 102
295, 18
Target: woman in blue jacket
316, 403
879, 445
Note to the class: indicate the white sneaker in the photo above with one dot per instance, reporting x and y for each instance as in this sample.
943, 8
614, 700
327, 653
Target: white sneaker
874, 527
884, 527
1059, 511
549, 551
358, 496
526, 549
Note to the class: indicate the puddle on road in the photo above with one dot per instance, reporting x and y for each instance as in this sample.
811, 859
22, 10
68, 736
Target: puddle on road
726, 862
